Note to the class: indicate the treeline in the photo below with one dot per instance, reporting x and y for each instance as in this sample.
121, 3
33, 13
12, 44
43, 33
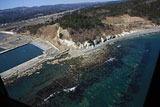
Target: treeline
34, 28
149, 10
20, 15
79, 21
143, 8
91, 17
25, 13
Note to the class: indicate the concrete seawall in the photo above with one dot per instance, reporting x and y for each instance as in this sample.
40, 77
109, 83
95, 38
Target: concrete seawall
39, 46
22, 67
42, 44
49, 52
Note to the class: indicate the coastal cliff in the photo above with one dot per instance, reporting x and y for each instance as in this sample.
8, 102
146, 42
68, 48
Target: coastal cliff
88, 27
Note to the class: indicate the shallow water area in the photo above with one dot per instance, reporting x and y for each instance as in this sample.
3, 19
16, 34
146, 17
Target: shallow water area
120, 81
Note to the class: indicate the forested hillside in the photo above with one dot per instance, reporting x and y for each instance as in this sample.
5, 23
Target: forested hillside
108, 19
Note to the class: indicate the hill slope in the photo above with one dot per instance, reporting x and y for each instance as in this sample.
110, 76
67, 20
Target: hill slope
104, 19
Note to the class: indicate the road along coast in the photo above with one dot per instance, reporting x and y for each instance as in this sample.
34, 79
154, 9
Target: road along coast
50, 52
122, 36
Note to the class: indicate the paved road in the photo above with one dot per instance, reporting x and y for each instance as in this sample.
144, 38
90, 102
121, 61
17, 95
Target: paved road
101, 45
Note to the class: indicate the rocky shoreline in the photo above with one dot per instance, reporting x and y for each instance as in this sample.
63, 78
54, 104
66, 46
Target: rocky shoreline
83, 74
73, 76
80, 75
84, 52
113, 38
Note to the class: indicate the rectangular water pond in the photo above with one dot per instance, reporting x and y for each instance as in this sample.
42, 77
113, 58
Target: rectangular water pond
2, 36
18, 56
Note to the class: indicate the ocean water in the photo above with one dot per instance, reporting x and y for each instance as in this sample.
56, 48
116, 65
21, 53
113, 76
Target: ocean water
120, 81
129, 82
18, 56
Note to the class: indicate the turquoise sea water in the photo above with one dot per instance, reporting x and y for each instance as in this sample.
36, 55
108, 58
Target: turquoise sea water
121, 82
18, 56
128, 85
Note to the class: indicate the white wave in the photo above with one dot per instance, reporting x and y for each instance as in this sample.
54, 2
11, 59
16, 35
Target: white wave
110, 60
118, 46
70, 89
46, 99
111, 43
50, 96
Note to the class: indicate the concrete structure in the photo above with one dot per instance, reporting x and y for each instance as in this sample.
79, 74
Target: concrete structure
15, 41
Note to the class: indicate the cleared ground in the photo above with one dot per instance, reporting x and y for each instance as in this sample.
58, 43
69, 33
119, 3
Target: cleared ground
11, 42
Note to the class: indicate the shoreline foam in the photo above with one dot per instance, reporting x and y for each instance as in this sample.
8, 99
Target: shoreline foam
122, 37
